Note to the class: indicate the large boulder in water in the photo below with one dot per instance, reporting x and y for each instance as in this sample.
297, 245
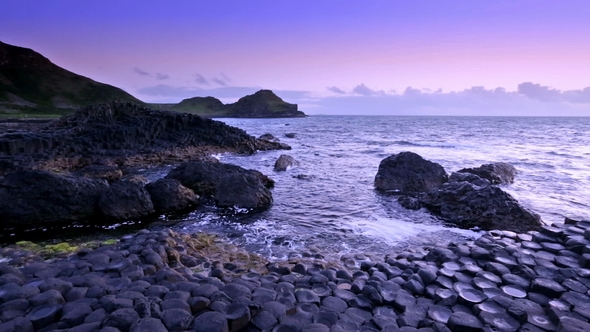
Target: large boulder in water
496, 173
487, 207
169, 195
242, 191
32, 198
125, 200
284, 162
407, 172
217, 179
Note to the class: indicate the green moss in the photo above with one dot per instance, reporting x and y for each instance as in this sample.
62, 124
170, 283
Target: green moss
110, 242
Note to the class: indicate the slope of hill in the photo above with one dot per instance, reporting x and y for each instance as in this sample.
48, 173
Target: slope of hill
31, 84
262, 104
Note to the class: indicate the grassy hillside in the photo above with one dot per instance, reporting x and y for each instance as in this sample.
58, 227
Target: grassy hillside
32, 85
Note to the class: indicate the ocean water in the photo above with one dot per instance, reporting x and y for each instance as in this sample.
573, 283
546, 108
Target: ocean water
336, 209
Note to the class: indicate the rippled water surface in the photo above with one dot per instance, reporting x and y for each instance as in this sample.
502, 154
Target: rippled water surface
336, 210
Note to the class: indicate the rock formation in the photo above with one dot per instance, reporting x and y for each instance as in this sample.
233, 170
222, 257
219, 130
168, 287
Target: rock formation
496, 173
407, 172
121, 132
228, 185
169, 195
262, 104
464, 199
284, 162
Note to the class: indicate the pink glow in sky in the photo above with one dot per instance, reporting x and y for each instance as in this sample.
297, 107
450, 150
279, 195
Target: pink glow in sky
320, 53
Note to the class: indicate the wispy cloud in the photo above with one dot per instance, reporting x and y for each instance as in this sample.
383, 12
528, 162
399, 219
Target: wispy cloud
161, 77
219, 81
336, 89
201, 80
364, 90
137, 70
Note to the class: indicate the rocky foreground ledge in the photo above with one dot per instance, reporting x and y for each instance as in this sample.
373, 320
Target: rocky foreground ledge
163, 281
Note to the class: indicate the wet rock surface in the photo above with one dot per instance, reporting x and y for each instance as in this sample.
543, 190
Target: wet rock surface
284, 162
407, 172
502, 281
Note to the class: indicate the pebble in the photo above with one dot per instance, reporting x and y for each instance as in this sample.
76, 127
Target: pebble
503, 281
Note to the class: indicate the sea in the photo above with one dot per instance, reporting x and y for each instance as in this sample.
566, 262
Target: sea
328, 205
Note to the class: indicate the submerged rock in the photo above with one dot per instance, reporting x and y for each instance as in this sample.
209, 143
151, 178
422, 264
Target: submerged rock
284, 162
407, 172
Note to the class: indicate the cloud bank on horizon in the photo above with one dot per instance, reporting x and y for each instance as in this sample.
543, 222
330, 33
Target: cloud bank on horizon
450, 57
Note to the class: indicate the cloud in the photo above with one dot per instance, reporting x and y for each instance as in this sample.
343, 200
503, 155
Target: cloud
336, 89
539, 92
219, 81
201, 80
225, 78
363, 90
141, 72
161, 77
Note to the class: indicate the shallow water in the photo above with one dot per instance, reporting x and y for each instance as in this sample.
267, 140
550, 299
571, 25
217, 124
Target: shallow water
338, 211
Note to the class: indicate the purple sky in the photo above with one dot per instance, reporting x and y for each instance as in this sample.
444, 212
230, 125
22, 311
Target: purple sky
340, 57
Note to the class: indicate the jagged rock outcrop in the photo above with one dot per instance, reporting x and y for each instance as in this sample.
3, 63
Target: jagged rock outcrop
262, 104
465, 200
122, 130
40, 199
487, 207
284, 162
496, 173
217, 180
407, 172
125, 200
169, 195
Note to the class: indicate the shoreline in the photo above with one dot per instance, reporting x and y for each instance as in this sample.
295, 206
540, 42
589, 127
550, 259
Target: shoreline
169, 281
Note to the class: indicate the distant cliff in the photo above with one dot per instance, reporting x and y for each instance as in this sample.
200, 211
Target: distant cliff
262, 104
30, 83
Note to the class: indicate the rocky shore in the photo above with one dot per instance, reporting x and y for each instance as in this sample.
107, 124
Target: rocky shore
164, 281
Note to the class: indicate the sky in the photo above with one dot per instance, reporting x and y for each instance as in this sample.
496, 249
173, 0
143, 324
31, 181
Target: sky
418, 57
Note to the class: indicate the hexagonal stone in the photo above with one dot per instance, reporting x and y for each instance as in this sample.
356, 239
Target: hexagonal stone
335, 304
548, 287
463, 322
176, 319
514, 291
44, 315
148, 324
471, 296
306, 296
439, 313
500, 321
122, 319
237, 315
568, 324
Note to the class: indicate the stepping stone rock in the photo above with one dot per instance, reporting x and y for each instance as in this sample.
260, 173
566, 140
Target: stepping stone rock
210, 322
176, 319
306, 296
148, 325
500, 321
514, 291
264, 320
237, 315
335, 304
122, 319
439, 313
471, 297
44, 315
463, 322
547, 287
567, 324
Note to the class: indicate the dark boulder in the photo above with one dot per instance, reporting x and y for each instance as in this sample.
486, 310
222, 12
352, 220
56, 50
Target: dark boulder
125, 200
290, 135
242, 191
496, 173
284, 162
203, 176
40, 198
408, 172
169, 195
229, 185
488, 207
